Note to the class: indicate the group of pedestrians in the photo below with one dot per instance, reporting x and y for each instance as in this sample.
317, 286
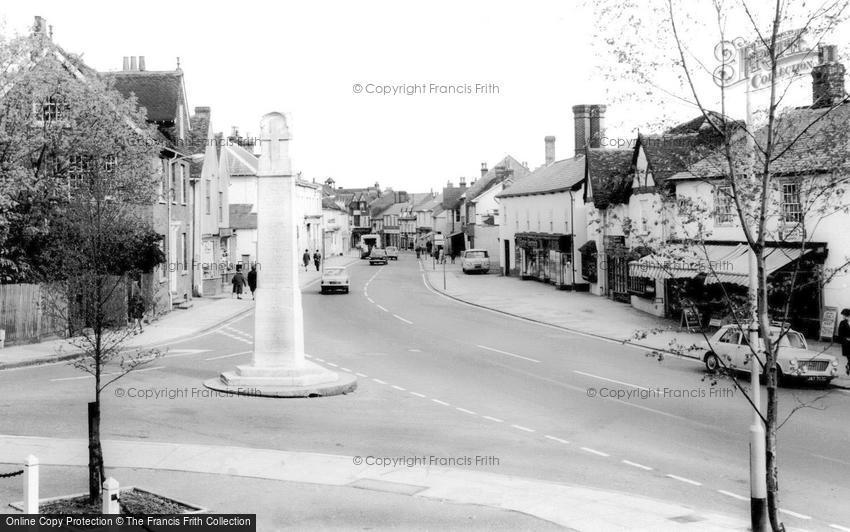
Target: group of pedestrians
239, 281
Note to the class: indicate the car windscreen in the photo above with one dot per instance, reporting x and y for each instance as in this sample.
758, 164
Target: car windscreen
791, 339
476, 254
378, 253
334, 271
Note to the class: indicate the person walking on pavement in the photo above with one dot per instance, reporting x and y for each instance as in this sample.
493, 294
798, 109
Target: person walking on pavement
252, 280
238, 282
844, 336
306, 259
317, 259
137, 308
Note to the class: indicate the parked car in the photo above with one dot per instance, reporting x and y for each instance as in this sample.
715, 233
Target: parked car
392, 252
334, 279
378, 256
728, 347
475, 260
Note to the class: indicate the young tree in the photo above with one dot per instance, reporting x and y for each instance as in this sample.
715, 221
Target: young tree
780, 176
79, 176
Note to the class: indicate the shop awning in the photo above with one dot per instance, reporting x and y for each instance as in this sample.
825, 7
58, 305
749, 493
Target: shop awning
737, 272
588, 248
719, 263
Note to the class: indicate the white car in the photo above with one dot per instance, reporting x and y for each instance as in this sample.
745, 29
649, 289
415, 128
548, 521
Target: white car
475, 260
334, 279
728, 348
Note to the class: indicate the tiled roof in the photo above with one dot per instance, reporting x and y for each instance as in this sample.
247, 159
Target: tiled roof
806, 140
610, 173
197, 139
451, 196
328, 203
241, 216
158, 92
507, 167
240, 161
559, 176
429, 203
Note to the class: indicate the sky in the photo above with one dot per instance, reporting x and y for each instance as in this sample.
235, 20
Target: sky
522, 67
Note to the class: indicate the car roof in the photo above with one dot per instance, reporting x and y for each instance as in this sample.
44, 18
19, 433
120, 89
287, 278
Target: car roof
475, 249
772, 328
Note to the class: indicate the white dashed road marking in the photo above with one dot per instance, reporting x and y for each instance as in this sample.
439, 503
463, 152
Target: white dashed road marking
465, 411
382, 308
508, 354
399, 388
229, 356
794, 514
415, 350
402, 319
520, 427
417, 395
553, 438
733, 495
490, 418
839, 527
441, 402
361, 375
379, 381
331, 364
685, 480
609, 380
637, 465
594, 451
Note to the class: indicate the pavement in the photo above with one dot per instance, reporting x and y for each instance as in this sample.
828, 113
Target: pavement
204, 315
582, 312
572, 507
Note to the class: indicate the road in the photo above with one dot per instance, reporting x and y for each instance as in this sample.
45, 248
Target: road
442, 379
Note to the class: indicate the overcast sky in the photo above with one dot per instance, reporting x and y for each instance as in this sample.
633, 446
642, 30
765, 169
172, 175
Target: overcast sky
246, 59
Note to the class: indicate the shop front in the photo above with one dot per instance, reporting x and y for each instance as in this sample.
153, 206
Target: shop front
545, 257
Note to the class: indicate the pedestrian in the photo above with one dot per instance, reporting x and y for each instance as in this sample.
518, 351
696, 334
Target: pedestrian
136, 308
252, 280
306, 259
317, 259
441, 255
453, 255
418, 251
844, 336
238, 282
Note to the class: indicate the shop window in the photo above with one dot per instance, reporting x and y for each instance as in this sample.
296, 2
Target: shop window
589, 257
642, 287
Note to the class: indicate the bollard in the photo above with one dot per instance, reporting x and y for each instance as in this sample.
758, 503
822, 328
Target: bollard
111, 497
31, 485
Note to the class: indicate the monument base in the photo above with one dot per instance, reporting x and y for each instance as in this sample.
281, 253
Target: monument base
309, 380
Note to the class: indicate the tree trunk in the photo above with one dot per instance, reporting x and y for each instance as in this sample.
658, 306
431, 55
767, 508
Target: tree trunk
95, 453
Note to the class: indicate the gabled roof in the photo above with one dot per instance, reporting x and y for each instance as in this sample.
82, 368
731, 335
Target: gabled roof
241, 216
451, 196
610, 174
328, 203
429, 203
560, 176
160, 92
395, 208
198, 137
507, 167
240, 162
806, 141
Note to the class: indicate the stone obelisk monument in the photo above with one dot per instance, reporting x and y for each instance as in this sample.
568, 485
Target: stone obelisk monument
278, 367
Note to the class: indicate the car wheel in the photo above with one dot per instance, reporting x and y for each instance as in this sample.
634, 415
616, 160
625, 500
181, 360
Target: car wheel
322, 290
712, 363
345, 290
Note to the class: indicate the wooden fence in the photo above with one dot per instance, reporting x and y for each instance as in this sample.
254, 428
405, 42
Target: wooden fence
24, 317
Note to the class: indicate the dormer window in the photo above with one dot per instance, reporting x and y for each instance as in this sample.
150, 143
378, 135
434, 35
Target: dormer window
52, 109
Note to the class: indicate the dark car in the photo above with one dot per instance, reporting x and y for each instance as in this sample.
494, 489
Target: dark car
378, 256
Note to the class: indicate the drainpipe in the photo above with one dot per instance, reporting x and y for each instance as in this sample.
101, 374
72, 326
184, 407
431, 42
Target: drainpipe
572, 241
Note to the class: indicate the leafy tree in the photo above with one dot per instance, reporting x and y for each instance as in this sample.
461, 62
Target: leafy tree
79, 175
672, 53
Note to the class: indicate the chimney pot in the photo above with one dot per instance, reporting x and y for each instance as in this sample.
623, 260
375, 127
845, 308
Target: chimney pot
550, 149
141, 62
828, 79
125, 66
589, 126
134, 65
483, 169
40, 26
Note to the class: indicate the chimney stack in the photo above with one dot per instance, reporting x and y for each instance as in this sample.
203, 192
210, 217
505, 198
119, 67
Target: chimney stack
126, 64
462, 182
40, 26
134, 65
828, 79
483, 169
142, 63
550, 149
589, 127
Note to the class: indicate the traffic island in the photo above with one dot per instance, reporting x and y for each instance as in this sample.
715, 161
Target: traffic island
310, 380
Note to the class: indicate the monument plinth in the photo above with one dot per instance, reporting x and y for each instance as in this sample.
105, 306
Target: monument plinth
278, 367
